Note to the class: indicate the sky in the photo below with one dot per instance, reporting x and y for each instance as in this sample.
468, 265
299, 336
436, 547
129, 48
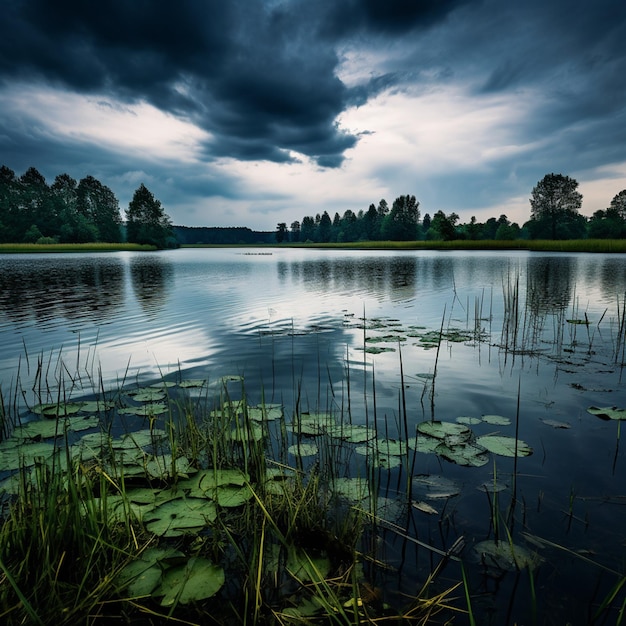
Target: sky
255, 112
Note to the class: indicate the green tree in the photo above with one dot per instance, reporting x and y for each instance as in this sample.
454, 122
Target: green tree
401, 224
307, 230
618, 204
554, 208
9, 218
324, 228
443, 227
146, 221
281, 231
33, 205
295, 231
98, 204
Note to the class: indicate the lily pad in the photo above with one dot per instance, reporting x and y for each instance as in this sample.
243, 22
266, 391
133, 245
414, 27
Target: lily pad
608, 413
556, 423
354, 489
141, 576
146, 410
198, 579
354, 433
497, 420
46, 429
468, 421
147, 394
181, 516
192, 382
57, 409
15, 455
230, 496
504, 446
467, 454
441, 430
505, 556
425, 508
265, 413
303, 449
435, 487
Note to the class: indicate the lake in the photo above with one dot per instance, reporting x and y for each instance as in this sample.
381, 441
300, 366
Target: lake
392, 339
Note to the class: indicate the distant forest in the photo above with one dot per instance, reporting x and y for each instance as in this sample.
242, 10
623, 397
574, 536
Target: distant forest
70, 211
554, 214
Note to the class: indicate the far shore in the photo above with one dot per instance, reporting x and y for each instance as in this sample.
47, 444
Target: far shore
547, 245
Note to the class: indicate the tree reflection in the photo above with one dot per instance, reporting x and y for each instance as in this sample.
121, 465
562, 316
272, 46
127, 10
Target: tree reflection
151, 277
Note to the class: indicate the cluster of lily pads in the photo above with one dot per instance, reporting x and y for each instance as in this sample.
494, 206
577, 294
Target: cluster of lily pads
384, 335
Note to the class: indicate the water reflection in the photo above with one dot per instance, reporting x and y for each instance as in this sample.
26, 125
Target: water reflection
73, 289
151, 277
549, 283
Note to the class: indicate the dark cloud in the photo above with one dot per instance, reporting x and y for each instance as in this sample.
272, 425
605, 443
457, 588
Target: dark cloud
260, 77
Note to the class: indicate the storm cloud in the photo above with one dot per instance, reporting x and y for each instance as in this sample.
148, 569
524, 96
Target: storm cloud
273, 109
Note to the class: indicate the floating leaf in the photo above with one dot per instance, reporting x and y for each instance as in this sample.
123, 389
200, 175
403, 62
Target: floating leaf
57, 409
307, 568
141, 576
497, 420
423, 443
468, 421
351, 488
230, 496
147, 410
265, 413
435, 487
441, 430
555, 423
467, 454
15, 455
504, 555
425, 508
608, 413
148, 394
180, 516
354, 433
504, 446
198, 579
163, 466
97, 406
303, 449
45, 429
192, 382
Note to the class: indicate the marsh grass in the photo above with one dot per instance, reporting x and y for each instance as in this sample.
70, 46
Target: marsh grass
292, 551
547, 245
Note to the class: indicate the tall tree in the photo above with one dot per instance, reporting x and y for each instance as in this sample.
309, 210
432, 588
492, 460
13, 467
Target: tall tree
9, 219
281, 231
34, 204
401, 224
554, 208
98, 204
146, 221
618, 204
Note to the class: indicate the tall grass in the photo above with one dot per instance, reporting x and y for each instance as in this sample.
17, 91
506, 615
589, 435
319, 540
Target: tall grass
72, 527
538, 245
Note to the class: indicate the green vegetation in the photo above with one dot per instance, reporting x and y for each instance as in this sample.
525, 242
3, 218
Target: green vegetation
554, 215
541, 245
189, 516
16, 248
70, 212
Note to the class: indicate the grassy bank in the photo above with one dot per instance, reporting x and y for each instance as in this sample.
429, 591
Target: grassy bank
539, 245
30, 248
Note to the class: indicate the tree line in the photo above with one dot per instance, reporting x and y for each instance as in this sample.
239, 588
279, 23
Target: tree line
70, 211
555, 203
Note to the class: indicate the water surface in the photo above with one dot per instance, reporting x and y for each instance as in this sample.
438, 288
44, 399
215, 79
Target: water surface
291, 323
